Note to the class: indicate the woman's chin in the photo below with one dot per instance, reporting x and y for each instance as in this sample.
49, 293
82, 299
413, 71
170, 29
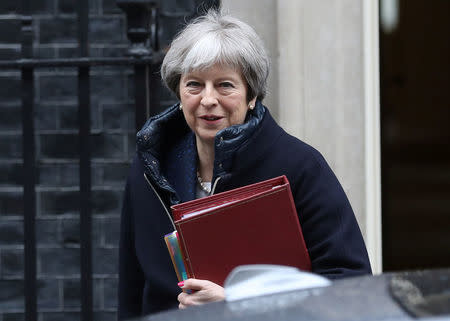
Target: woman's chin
206, 137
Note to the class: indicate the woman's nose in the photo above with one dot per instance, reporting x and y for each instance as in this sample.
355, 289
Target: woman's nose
209, 97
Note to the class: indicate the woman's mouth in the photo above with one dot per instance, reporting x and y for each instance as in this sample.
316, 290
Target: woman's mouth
211, 117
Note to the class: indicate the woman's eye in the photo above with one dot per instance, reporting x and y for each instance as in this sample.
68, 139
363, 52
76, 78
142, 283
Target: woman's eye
226, 84
192, 84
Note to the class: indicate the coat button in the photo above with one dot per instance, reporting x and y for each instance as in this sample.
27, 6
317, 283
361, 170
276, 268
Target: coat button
154, 162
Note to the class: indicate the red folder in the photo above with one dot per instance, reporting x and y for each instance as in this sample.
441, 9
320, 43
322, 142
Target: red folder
254, 224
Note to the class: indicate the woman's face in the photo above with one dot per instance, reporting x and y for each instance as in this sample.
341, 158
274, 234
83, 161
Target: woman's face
213, 99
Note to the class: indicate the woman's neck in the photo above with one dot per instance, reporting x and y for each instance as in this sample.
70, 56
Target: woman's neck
205, 153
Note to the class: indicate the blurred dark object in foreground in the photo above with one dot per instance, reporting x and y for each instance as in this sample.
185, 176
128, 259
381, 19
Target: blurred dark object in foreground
420, 294
423, 294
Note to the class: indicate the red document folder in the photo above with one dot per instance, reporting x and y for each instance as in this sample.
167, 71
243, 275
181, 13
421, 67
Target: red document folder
254, 224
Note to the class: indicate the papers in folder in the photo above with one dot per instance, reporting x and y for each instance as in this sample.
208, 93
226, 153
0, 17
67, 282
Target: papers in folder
187, 215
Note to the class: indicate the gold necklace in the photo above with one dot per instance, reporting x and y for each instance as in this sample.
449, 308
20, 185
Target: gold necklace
203, 186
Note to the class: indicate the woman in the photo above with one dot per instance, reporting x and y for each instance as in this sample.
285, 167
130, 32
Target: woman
221, 137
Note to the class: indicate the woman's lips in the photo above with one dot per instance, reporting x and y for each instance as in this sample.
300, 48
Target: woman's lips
211, 118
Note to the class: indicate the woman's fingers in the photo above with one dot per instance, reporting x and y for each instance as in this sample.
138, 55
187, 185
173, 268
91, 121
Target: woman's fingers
184, 300
196, 285
187, 300
204, 292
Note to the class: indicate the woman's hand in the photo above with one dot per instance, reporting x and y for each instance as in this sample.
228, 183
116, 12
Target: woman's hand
203, 291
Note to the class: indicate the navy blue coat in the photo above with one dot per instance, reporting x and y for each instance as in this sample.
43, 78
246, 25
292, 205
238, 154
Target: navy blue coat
257, 150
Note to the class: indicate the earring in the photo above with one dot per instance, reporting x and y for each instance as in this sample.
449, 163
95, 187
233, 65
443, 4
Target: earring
181, 106
251, 106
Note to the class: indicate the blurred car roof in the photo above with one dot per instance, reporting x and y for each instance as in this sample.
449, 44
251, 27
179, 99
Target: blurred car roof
360, 298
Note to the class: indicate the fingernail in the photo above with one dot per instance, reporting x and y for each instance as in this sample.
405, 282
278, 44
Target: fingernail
181, 284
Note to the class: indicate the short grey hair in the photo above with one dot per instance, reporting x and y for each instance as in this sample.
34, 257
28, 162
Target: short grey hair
218, 38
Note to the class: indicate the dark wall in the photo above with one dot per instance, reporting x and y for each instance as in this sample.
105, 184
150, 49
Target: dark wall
415, 136
56, 124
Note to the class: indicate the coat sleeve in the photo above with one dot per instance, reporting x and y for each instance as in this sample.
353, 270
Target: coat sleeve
131, 278
330, 229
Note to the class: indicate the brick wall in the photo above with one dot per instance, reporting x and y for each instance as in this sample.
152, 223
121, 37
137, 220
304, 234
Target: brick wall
56, 123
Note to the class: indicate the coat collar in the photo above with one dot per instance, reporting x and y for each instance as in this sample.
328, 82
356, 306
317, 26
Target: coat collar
230, 139
166, 146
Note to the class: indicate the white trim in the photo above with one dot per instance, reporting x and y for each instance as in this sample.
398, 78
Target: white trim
372, 133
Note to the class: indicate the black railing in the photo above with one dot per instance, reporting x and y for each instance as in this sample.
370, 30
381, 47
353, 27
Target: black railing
84, 123
145, 55
29, 194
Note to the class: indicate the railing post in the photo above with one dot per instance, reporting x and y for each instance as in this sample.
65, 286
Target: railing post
29, 166
84, 119
141, 24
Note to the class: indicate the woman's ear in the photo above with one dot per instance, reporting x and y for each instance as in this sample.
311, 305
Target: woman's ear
251, 103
